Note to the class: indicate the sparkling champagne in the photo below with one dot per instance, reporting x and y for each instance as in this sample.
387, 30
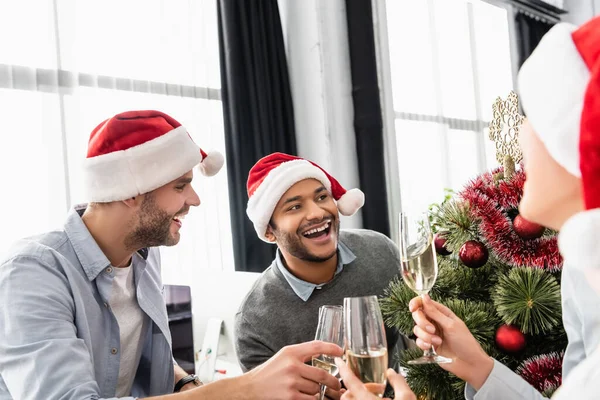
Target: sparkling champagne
325, 362
370, 369
419, 268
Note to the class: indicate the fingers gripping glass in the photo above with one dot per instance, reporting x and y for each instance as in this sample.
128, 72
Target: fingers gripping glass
329, 329
419, 266
366, 345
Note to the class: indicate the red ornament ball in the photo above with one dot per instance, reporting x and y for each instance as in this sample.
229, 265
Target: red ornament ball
510, 339
473, 254
527, 229
440, 245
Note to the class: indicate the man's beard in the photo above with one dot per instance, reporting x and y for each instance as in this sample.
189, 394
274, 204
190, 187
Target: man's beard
152, 227
292, 242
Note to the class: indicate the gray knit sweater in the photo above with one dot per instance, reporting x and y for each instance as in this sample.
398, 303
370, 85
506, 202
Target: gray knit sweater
273, 316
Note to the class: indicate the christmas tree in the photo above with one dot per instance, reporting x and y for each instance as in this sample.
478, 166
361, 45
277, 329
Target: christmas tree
498, 272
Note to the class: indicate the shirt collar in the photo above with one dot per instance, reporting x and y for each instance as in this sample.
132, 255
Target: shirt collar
88, 252
305, 289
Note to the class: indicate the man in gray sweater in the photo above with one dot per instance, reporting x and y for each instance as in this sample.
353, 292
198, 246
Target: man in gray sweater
295, 204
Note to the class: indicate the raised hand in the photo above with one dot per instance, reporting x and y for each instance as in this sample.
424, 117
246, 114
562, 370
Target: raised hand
286, 376
359, 391
451, 339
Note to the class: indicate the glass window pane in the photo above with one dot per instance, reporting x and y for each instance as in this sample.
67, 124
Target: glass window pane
420, 161
454, 58
493, 54
490, 151
462, 155
172, 41
411, 61
27, 33
33, 186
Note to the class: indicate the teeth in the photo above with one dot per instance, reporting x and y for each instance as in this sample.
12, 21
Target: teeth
321, 229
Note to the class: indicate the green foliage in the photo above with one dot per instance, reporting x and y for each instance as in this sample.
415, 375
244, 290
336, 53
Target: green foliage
456, 224
430, 381
435, 210
456, 281
480, 318
528, 298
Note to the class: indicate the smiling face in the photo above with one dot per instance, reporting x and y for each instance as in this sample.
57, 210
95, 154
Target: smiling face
161, 212
305, 223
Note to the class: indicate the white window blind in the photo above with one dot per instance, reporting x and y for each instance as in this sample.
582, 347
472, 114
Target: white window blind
67, 65
448, 61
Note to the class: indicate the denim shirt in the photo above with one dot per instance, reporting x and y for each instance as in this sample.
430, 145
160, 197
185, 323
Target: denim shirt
58, 336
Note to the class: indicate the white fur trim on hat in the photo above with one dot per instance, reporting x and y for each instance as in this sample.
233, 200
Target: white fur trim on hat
552, 86
211, 164
351, 202
127, 173
263, 201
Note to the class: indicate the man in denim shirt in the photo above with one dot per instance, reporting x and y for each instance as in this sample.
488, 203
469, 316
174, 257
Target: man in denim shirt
83, 315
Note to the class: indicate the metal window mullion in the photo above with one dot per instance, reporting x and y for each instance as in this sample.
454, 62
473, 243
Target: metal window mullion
480, 143
437, 84
513, 42
61, 105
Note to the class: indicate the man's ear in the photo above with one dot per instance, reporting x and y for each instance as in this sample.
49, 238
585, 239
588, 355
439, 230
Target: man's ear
269, 234
133, 202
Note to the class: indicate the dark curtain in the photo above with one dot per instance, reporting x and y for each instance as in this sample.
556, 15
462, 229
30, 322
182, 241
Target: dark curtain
368, 122
529, 34
257, 110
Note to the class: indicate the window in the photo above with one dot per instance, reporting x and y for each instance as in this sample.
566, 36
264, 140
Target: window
68, 66
448, 61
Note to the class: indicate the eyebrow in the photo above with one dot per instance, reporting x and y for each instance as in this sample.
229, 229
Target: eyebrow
296, 198
183, 180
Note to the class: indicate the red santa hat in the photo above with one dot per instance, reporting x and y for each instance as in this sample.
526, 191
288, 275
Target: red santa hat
559, 86
274, 174
136, 152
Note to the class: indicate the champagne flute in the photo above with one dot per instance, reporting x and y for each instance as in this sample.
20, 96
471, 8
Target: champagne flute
366, 346
419, 266
329, 329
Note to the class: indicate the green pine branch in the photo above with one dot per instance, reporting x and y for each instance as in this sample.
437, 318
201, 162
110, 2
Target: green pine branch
457, 281
528, 298
394, 306
456, 224
430, 381
480, 318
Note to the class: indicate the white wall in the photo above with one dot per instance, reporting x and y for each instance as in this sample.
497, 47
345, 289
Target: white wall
315, 34
581, 10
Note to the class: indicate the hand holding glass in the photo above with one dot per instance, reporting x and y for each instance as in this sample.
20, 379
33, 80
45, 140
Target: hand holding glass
419, 266
366, 346
330, 329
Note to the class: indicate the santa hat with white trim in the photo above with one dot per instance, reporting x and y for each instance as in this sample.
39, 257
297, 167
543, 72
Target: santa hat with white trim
274, 174
559, 86
136, 152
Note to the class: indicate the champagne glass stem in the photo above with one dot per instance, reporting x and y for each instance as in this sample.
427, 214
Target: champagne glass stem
322, 392
431, 352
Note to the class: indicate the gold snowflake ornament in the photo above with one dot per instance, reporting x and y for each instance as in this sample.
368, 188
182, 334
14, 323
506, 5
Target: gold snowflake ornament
504, 131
